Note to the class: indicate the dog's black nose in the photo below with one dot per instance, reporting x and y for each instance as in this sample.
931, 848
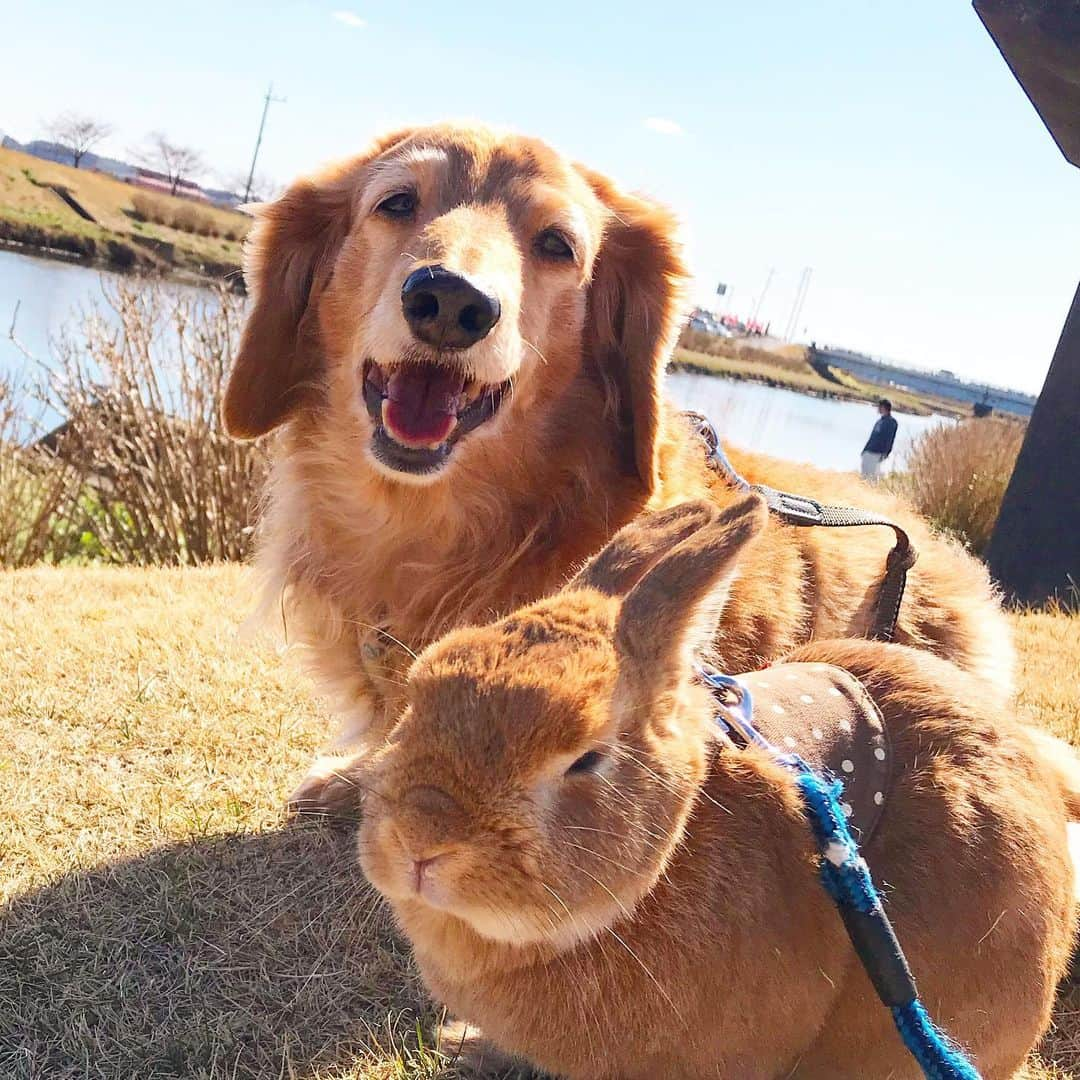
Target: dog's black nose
446, 311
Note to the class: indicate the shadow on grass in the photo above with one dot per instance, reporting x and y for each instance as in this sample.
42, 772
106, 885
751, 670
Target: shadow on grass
258, 956
250, 956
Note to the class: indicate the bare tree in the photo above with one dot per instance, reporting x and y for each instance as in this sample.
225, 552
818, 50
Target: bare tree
176, 162
77, 133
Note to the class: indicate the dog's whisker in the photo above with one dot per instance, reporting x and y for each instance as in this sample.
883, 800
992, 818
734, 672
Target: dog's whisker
530, 345
382, 632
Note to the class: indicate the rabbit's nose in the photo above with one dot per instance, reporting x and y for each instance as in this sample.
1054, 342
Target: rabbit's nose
421, 871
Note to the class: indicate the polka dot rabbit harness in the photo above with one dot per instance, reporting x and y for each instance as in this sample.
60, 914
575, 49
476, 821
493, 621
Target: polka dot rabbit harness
824, 714
820, 722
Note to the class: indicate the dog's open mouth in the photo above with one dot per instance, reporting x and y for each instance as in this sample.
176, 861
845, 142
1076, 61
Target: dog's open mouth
420, 411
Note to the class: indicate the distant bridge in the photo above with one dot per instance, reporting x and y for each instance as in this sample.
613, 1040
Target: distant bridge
939, 383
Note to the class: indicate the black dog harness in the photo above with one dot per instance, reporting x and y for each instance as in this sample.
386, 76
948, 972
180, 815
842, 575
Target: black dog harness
803, 511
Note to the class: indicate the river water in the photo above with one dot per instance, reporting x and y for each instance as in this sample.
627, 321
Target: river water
827, 433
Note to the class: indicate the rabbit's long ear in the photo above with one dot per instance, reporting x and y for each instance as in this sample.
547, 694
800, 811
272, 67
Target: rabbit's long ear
637, 547
674, 609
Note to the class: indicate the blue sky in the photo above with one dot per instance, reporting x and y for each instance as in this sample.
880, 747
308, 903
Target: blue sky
889, 150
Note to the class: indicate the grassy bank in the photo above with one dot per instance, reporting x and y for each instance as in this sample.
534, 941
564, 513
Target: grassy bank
128, 230
788, 368
160, 919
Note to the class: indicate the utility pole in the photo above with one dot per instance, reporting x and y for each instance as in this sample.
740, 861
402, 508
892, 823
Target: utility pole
761, 297
258, 142
800, 299
806, 290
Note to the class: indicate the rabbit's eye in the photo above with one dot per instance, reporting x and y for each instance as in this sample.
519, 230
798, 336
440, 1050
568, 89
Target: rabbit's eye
588, 762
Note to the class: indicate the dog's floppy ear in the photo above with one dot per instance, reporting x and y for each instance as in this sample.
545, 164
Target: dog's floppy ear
288, 261
288, 258
635, 300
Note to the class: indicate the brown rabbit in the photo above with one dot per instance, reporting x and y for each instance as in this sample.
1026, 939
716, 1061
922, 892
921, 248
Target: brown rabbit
597, 877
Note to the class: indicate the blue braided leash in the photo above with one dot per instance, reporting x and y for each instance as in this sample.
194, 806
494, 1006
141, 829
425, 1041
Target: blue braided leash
847, 880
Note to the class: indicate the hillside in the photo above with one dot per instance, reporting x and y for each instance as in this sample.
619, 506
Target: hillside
160, 919
35, 215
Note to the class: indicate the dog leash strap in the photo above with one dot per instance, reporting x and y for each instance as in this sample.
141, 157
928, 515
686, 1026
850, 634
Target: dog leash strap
846, 877
802, 511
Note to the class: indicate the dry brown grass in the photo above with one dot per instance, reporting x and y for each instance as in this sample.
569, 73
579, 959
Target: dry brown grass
38, 489
1048, 644
160, 919
789, 357
757, 366
184, 215
25, 198
956, 475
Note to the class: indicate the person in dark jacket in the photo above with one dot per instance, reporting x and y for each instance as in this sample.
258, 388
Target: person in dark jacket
879, 446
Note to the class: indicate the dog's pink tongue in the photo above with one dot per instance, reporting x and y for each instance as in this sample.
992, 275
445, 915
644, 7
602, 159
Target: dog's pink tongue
421, 404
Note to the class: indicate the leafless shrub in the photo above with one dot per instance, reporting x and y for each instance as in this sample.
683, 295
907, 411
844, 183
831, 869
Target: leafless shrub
141, 385
39, 488
957, 475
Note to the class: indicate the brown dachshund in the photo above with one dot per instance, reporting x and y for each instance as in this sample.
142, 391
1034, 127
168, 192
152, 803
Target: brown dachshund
462, 337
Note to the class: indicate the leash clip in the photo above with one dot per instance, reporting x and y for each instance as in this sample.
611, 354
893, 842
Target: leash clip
794, 509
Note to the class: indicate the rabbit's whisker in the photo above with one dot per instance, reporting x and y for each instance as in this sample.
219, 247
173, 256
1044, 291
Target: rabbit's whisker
618, 836
644, 967
345, 778
605, 858
621, 906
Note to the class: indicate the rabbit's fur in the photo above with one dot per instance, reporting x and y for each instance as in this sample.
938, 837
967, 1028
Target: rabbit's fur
652, 909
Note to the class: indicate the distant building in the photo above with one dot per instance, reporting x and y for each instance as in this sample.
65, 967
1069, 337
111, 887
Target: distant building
155, 181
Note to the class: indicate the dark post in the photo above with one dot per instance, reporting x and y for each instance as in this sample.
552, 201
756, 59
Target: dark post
1035, 550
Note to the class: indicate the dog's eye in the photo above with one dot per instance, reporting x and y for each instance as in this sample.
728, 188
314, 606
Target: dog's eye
401, 204
590, 761
553, 245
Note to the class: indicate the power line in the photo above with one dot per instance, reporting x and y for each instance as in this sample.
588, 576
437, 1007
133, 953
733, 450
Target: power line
258, 142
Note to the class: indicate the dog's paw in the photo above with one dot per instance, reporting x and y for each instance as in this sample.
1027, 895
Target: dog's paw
328, 791
474, 1058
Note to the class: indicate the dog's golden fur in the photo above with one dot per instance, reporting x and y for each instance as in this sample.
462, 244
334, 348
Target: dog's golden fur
583, 444
655, 910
